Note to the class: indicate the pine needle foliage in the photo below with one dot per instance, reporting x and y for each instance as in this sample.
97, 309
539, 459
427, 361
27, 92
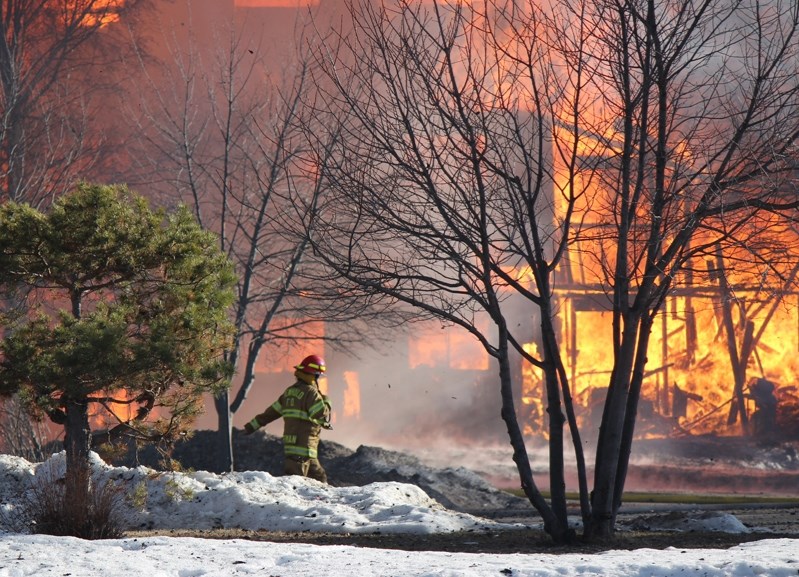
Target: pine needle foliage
126, 314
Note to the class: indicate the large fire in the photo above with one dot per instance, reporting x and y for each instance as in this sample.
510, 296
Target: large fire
689, 387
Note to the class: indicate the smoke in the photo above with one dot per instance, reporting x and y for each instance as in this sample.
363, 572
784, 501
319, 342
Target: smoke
418, 406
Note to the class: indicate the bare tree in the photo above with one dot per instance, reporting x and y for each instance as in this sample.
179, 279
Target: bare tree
230, 135
626, 139
54, 62
442, 191
696, 114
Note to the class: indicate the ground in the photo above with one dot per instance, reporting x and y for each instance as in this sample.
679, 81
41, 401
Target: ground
765, 523
460, 492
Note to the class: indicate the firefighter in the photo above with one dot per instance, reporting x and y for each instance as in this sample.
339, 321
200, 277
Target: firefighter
305, 411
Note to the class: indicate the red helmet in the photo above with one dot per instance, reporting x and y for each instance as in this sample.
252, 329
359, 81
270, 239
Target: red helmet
313, 365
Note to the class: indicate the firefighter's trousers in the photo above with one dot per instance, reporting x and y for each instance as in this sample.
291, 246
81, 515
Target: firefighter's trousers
305, 467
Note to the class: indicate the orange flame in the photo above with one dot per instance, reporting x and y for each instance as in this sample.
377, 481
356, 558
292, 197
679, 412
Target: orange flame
688, 387
98, 12
352, 395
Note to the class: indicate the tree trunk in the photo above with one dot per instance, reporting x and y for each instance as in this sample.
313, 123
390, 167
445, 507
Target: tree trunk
555, 527
77, 442
559, 373
631, 414
610, 435
224, 434
557, 476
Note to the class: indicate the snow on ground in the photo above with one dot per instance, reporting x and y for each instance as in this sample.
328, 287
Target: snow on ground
189, 557
256, 500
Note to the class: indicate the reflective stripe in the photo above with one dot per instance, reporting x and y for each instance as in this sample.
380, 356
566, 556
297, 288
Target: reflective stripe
301, 416
255, 424
316, 367
297, 451
318, 407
